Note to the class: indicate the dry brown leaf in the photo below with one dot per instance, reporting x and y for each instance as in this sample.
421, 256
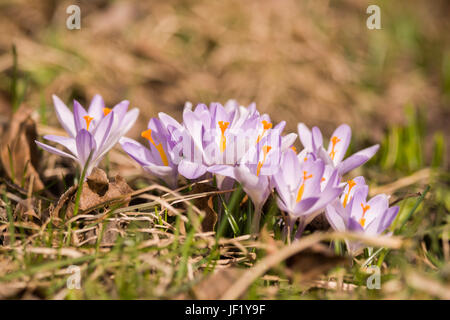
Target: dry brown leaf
205, 204
17, 146
310, 263
8, 290
98, 191
214, 286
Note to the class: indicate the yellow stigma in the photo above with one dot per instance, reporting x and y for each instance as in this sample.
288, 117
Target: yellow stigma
223, 140
266, 150
334, 142
362, 221
88, 120
351, 184
294, 149
302, 187
106, 111
266, 126
147, 134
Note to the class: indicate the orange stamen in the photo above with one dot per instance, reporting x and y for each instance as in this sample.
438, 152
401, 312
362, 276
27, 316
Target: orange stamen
294, 148
351, 184
334, 141
88, 120
266, 150
266, 126
362, 221
302, 187
147, 134
106, 111
223, 140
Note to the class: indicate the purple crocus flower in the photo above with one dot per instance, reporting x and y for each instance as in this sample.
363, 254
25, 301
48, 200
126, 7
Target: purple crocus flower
255, 172
352, 212
221, 136
337, 147
235, 143
207, 139
301, 190
94, 131
160, 158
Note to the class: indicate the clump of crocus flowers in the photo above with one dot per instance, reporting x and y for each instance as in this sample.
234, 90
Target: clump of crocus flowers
235, 143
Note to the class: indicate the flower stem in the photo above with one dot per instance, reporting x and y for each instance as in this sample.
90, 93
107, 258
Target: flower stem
80, 185
256, 219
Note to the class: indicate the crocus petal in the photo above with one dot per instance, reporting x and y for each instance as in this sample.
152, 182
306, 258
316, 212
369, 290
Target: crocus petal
115, 133
224, 170
330, 193
67, 142
137, 151
54, 150
336, 221
344, 134
103, 129
257, 188
159, 171
79, 113
354, 225
357, 159
244, 176
317, 140
304, 206
305, 136
96, 107
169, 121
128, 120
65, 116
322, 154
290, 169
359, 182
387, 219
379, 203
191, 170
282, 205
280, 127
314, 169
287, 141
120, 109
225, 183
195, 127
203, 114
85, 145
326, 197
187, 106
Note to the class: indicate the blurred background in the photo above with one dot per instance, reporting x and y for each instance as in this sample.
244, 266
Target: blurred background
311, 61
300, 61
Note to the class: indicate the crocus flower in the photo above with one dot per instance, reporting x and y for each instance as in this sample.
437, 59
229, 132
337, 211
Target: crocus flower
234, 143
352, 212
255, 172
207, 140
93, 132
222, 136
159, 158
300, 188
337, 147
